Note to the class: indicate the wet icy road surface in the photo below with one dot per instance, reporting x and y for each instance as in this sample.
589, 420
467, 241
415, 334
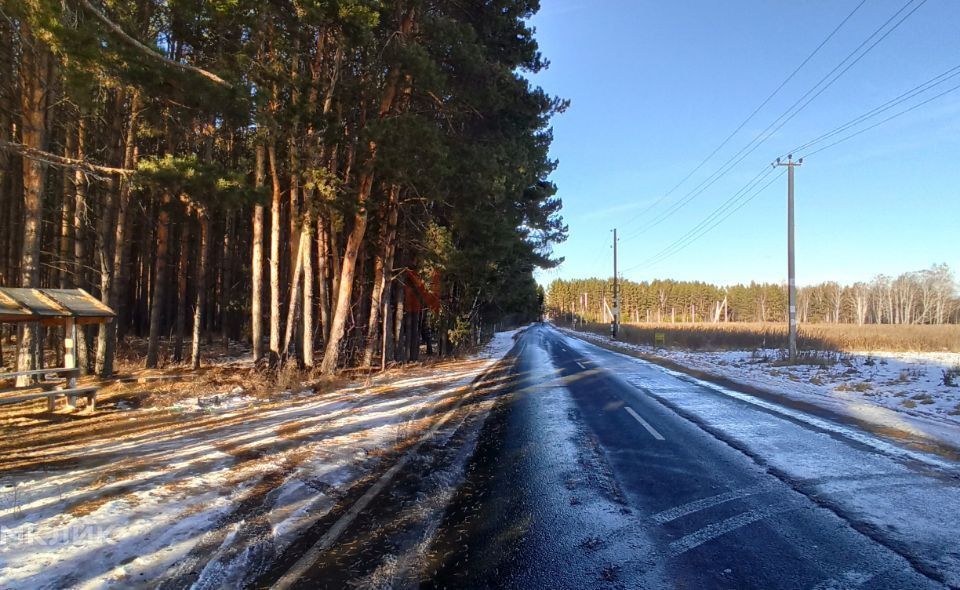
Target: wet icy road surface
602, 471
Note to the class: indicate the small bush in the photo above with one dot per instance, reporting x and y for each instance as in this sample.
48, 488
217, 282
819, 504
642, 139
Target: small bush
820, 358
909, 403
950, 376
861, 387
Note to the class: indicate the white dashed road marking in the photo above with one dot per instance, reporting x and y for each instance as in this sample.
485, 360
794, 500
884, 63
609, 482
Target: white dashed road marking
704, 503
711, 532
653, 432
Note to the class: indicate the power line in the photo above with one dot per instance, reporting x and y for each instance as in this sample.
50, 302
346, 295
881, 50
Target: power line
823, 84
765, 171
878, 123
677, 247
737, 201
752, 114
915, 91
717, 222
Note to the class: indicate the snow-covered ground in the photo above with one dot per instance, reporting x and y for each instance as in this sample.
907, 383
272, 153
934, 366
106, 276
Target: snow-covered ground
900, 390
207, 491
905, 498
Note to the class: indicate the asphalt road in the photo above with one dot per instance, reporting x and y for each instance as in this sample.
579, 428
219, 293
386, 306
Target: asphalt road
582, 480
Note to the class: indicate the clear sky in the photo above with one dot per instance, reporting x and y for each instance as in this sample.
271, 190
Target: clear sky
656, 85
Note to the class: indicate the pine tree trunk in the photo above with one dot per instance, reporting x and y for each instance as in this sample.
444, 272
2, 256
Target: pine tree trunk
323, 276
66, 212
80, 250
331, 355
295, 293
400, 326
184, 261
413, 336
201, 287
121, 251
226, 283
333, 246
308, 302
106, 225
256, 305
159, 283
34, 77
389, 313
7, 86
274, 258
382, 268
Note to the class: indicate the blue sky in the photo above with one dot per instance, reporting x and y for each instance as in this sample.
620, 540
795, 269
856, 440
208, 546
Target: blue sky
655, 86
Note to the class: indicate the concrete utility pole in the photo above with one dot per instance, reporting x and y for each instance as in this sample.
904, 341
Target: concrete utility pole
615, 326
791, 268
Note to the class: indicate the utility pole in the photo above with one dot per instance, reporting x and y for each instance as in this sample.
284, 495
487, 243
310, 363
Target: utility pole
791, 267
615, 325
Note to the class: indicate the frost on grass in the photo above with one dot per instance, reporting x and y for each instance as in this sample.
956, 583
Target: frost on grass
204, 490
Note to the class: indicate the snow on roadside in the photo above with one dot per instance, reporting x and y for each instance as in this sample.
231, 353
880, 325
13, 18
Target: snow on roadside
207, 493
900, 390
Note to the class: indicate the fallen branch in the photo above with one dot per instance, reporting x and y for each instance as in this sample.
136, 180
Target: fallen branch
94, 170
123, 35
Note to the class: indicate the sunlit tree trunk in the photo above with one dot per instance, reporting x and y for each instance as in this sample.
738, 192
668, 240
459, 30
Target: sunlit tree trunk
383, 267
201, 288
275, 205
35, 65
256, 304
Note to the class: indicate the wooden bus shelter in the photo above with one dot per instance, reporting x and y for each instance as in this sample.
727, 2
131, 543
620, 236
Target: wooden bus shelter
51, 307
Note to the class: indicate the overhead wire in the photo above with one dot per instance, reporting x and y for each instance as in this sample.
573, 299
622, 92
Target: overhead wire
903, 97
823, 84
738, 200
886, 120
683, 243
750, 117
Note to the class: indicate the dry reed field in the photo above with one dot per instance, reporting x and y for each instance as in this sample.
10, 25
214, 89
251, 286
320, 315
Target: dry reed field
834, 337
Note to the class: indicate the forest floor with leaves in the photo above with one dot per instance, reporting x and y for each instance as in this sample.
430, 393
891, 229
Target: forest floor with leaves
914, 392
206, 477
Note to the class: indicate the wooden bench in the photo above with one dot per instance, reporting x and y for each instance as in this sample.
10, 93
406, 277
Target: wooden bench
71, 395
64, 386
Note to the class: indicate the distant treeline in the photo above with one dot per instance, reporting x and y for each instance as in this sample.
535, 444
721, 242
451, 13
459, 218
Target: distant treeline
922, 297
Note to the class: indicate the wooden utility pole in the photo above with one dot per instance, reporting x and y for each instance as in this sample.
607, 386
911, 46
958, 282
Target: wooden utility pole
615, 325
791, 268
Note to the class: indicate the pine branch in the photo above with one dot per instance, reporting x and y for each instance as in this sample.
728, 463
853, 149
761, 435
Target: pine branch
123, 35
94, 170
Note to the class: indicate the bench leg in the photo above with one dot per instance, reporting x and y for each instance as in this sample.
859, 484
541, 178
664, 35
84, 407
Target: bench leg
92, 402
71, 402
51, 403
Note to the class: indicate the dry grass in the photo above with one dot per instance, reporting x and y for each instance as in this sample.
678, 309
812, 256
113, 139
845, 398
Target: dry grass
835, 337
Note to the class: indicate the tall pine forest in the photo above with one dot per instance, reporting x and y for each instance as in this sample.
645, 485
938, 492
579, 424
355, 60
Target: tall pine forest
331, 182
